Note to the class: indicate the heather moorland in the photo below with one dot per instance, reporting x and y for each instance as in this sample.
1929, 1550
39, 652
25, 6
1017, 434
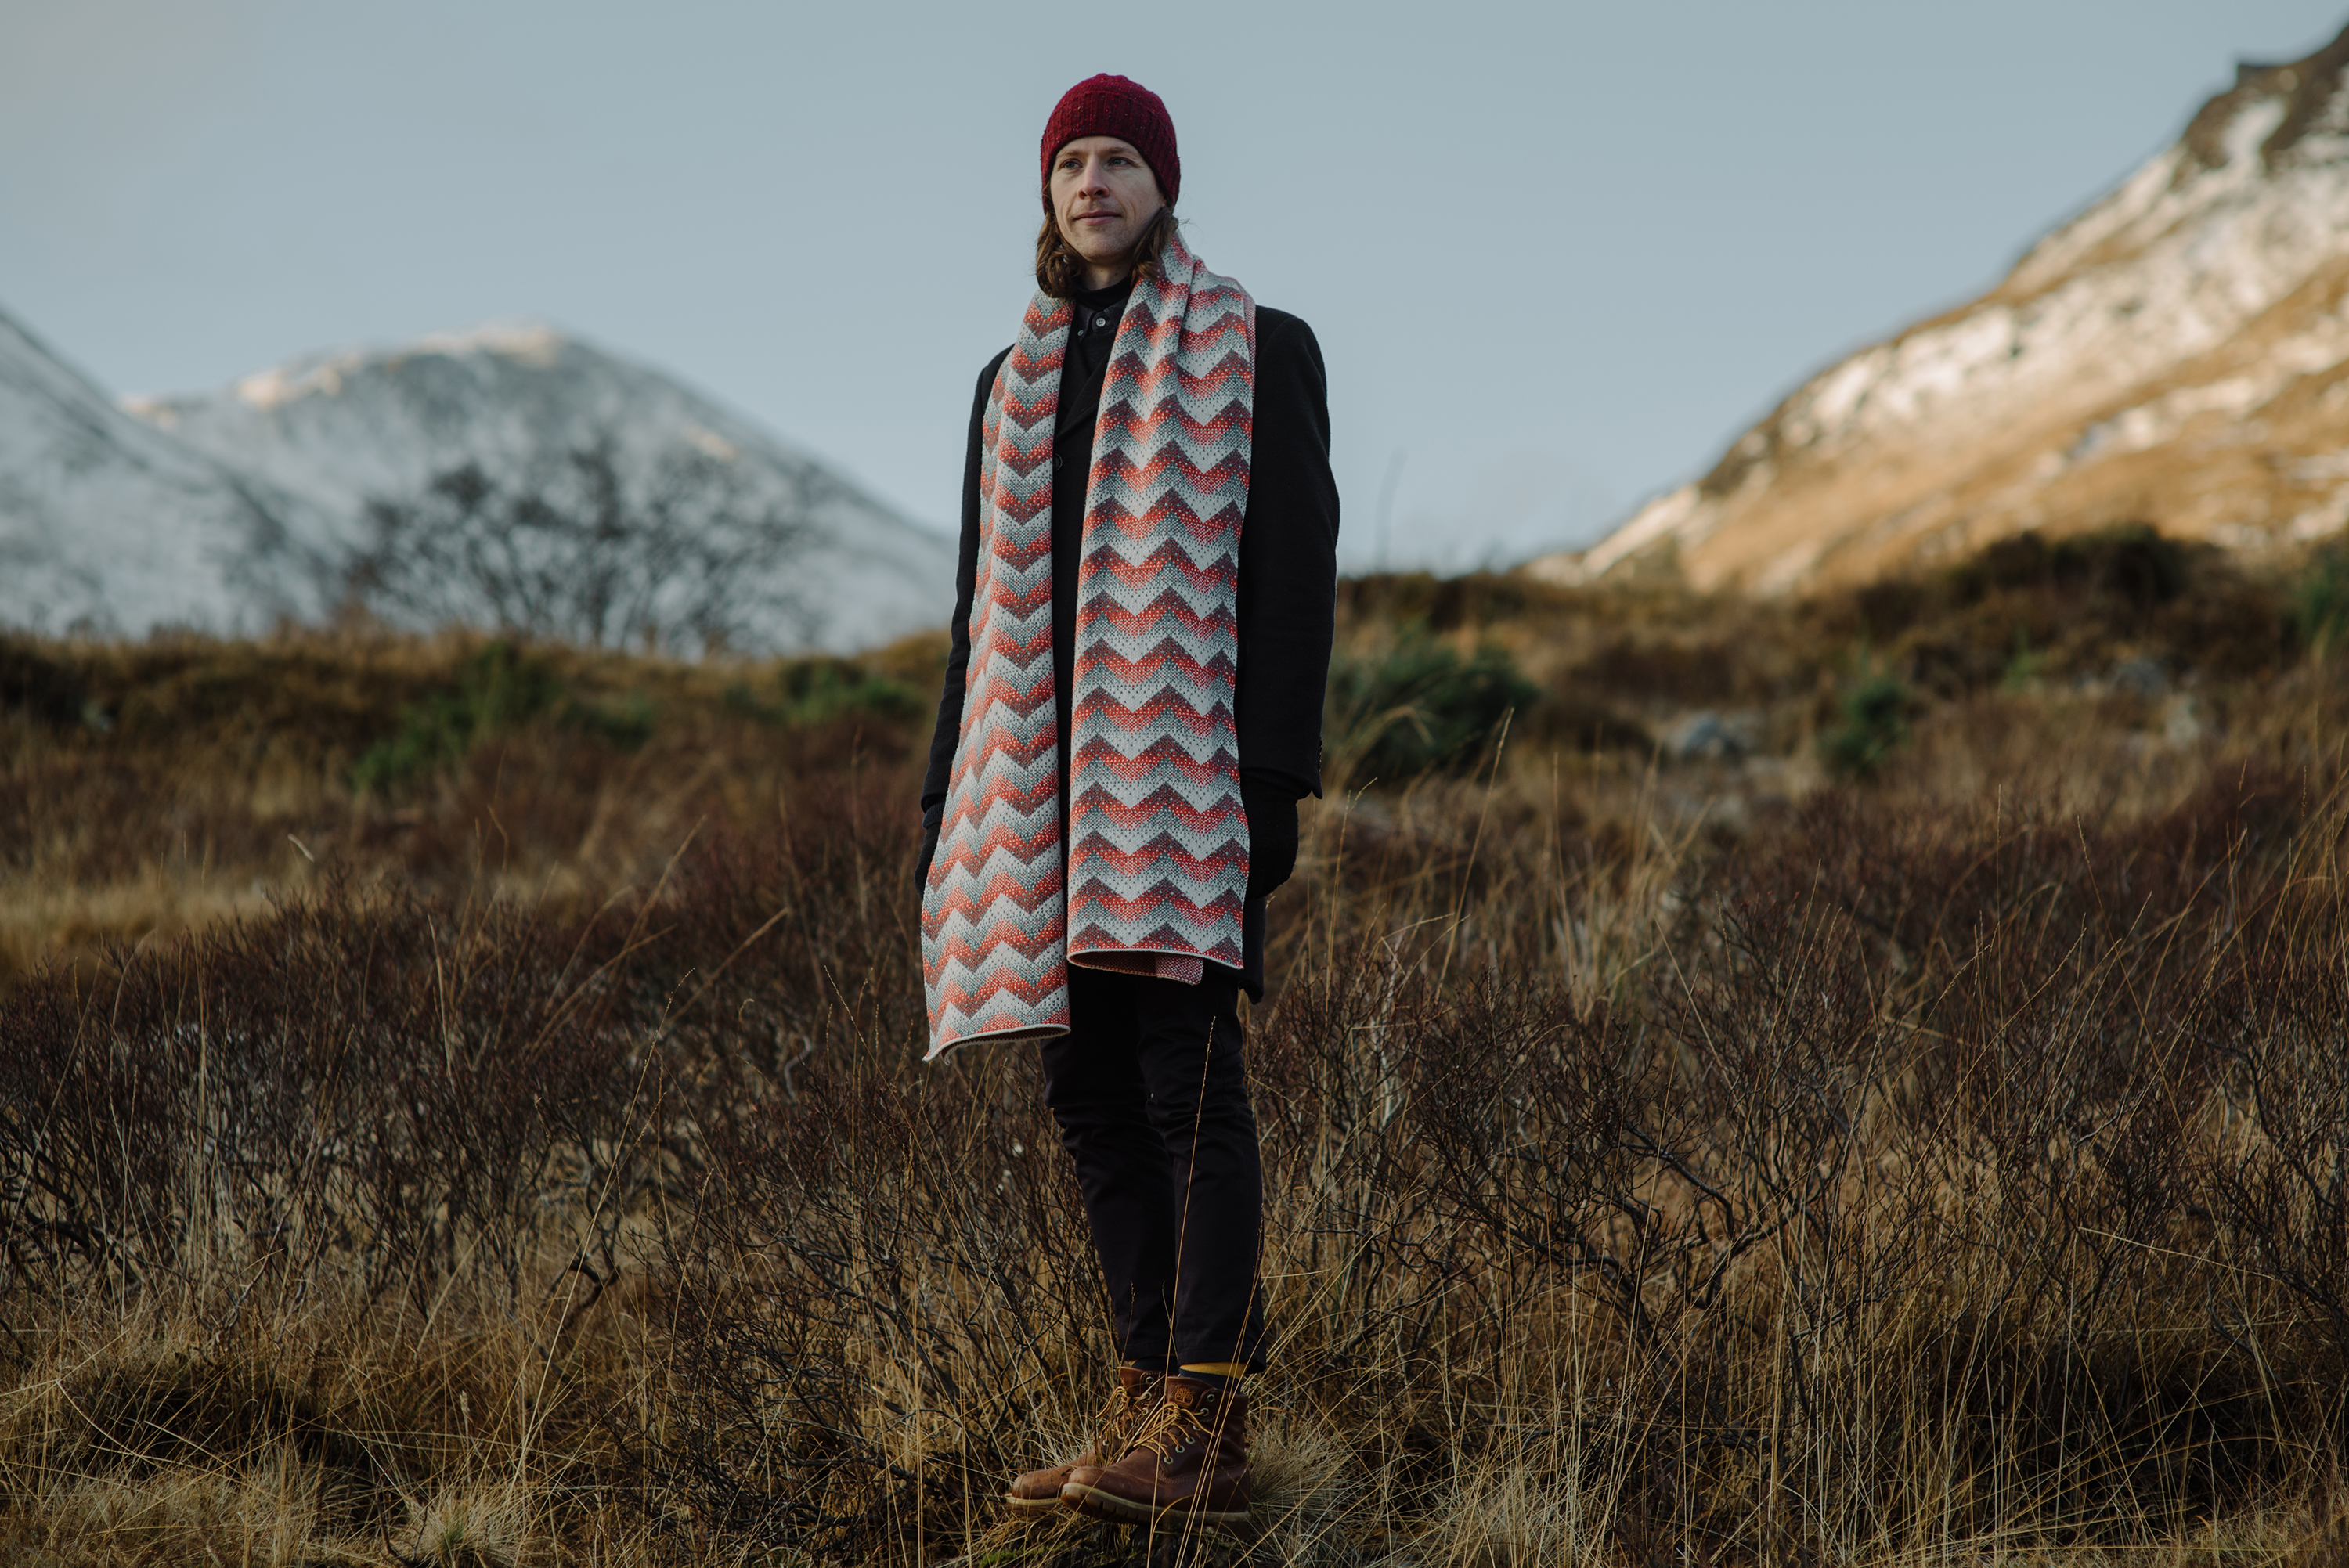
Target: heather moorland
1852, 1079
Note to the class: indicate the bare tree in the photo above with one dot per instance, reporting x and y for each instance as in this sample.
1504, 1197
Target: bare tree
688, 559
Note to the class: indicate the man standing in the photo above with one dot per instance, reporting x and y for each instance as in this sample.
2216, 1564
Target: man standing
1133, 709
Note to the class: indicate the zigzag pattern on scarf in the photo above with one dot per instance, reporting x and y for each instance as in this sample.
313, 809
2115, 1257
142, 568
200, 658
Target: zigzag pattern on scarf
1153, 879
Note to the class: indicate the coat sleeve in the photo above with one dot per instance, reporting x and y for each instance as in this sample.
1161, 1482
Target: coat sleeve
1288, 598
949, 729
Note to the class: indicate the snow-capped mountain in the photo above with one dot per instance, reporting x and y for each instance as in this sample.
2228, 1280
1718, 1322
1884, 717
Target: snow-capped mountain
2177, 354
520, 401
107, 522
277, 497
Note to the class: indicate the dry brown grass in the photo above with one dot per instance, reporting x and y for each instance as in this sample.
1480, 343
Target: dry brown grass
211, 776
1673, 1159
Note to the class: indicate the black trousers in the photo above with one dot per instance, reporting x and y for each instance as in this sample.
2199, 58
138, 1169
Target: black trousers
1150, 1090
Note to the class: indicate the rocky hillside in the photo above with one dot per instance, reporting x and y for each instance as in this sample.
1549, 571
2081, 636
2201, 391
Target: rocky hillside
2177, 354
508, 474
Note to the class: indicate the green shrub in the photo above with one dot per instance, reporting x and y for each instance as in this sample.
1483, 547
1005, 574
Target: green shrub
1875, 722
1420, 708
627, 726
818, 689
2321, 604
497, 689
2024, 667
810, 691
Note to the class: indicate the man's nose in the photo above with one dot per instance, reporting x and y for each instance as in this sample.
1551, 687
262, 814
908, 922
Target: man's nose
1094, 181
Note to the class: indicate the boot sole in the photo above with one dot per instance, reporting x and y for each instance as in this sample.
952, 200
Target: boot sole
1094, 1503
1032, 1504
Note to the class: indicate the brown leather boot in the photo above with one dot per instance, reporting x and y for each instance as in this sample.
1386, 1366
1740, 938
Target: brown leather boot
1188, 1462
1039, 1492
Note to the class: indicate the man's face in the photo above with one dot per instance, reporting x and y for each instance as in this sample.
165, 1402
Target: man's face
1104, 196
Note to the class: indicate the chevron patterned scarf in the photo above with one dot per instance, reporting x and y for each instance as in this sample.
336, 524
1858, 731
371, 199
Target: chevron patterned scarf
1156, 867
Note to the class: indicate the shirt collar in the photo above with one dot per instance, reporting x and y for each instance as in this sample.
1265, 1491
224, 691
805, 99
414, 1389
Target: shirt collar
1099, 308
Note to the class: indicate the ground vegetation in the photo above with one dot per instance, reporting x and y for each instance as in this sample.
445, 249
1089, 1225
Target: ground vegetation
1858, 1080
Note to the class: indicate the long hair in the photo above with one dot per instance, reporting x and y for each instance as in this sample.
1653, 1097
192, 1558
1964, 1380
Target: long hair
1059, 269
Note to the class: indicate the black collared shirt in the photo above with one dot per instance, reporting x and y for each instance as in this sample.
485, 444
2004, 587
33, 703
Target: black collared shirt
1097, 314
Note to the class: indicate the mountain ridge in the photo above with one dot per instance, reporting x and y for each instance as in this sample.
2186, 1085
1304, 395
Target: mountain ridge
285, 482
75, 472
2162, 357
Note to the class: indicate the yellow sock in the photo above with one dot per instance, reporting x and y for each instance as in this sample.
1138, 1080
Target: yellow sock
1233, 1370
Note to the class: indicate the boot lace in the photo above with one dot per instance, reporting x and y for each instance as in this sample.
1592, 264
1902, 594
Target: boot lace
1169, 1430
1121, 1412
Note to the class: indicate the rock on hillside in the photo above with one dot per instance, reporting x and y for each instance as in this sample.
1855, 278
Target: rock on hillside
109, 524
519, 402
2177, 354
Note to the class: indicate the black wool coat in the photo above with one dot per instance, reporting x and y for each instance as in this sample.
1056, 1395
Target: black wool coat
1287, 599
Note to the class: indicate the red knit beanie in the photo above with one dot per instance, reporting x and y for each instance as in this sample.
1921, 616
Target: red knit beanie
1113, 106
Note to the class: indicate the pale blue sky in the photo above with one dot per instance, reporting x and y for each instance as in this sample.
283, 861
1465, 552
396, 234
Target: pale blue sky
1557, 255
